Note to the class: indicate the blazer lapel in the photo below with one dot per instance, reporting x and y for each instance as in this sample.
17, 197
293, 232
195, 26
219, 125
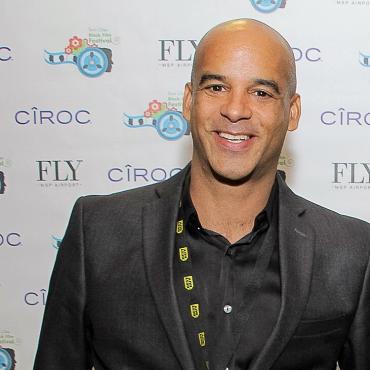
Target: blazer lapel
159, 220
296, 251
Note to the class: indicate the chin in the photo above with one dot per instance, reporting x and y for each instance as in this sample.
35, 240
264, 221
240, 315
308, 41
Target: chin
230, 176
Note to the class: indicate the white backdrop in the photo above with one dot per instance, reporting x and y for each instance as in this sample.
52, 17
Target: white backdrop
72, 123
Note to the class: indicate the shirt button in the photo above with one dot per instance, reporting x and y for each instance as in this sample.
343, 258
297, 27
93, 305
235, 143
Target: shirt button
227, 308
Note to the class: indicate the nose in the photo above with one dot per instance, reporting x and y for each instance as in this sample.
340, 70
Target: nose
236, 107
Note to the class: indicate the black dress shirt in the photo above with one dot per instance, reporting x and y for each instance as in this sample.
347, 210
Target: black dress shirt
239, 285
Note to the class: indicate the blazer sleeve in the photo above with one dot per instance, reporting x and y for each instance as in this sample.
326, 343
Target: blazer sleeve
63, 340
356, 351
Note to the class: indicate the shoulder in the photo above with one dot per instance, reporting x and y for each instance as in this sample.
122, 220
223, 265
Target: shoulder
328, 218
325, 221
318, 217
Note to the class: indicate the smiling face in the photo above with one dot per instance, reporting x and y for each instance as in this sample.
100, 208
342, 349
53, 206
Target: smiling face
241, 101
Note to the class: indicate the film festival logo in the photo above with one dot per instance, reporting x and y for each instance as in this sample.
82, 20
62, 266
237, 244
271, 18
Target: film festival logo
164, 117
7, 359
4, 164
58, 173
351, 175
364, 59
7, 353
56, 242
91, 55
268, 6
2, 182
285, 161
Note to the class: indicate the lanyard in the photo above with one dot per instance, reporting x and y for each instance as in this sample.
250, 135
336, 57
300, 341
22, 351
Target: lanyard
192, 299
190, 291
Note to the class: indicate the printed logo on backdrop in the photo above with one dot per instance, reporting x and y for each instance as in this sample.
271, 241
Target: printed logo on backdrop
91, 55
35, 298
4, 165
268, 6
5, 53
353, 2
364, 59
344, 117
180, 53
8, 343
351, 175
2, 182
310, 54
176, 52
7, 358
56, 241
131, 174
59, 173
10, 239
162, 116
52, 117
285, 161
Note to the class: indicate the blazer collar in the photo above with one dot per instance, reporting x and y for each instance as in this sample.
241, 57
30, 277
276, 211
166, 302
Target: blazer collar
159, 220
296, 253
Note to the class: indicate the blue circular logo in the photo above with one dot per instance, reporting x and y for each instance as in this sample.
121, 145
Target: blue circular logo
6, 362
92, 62
266, 6
171, 125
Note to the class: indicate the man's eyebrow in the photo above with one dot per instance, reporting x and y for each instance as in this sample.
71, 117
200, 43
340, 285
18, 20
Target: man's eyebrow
211, 76
270, 83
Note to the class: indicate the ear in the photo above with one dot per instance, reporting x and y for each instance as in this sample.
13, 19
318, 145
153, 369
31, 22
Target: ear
294, 112
186, 103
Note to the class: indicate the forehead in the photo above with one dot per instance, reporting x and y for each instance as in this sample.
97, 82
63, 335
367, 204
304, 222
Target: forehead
243, 54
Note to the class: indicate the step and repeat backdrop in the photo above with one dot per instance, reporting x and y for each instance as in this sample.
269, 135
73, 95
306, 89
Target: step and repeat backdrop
91, 99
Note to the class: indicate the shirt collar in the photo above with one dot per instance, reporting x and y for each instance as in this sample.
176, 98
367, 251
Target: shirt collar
190, 213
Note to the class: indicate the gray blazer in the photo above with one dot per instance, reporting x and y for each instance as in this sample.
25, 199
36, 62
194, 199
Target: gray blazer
112, 303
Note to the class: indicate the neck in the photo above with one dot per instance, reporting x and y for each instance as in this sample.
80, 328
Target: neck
226, 208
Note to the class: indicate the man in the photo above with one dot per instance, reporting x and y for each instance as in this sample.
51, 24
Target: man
222, 266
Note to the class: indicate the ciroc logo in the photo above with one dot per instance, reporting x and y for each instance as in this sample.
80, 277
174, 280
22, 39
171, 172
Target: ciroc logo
58, 173
10, 239
91, 59
344, 117
63, 117
311, 54
35, 298
268, 6
131, 174
162, 117
5, 53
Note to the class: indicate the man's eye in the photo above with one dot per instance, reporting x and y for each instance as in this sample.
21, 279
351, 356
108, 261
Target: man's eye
261, 93
215, 88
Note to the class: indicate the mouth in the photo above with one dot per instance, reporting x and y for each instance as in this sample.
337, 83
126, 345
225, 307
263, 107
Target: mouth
235, 139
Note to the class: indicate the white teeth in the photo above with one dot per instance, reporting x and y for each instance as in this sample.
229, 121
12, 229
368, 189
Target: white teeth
234, 138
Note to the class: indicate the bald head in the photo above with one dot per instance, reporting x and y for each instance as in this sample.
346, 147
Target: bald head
248, 34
